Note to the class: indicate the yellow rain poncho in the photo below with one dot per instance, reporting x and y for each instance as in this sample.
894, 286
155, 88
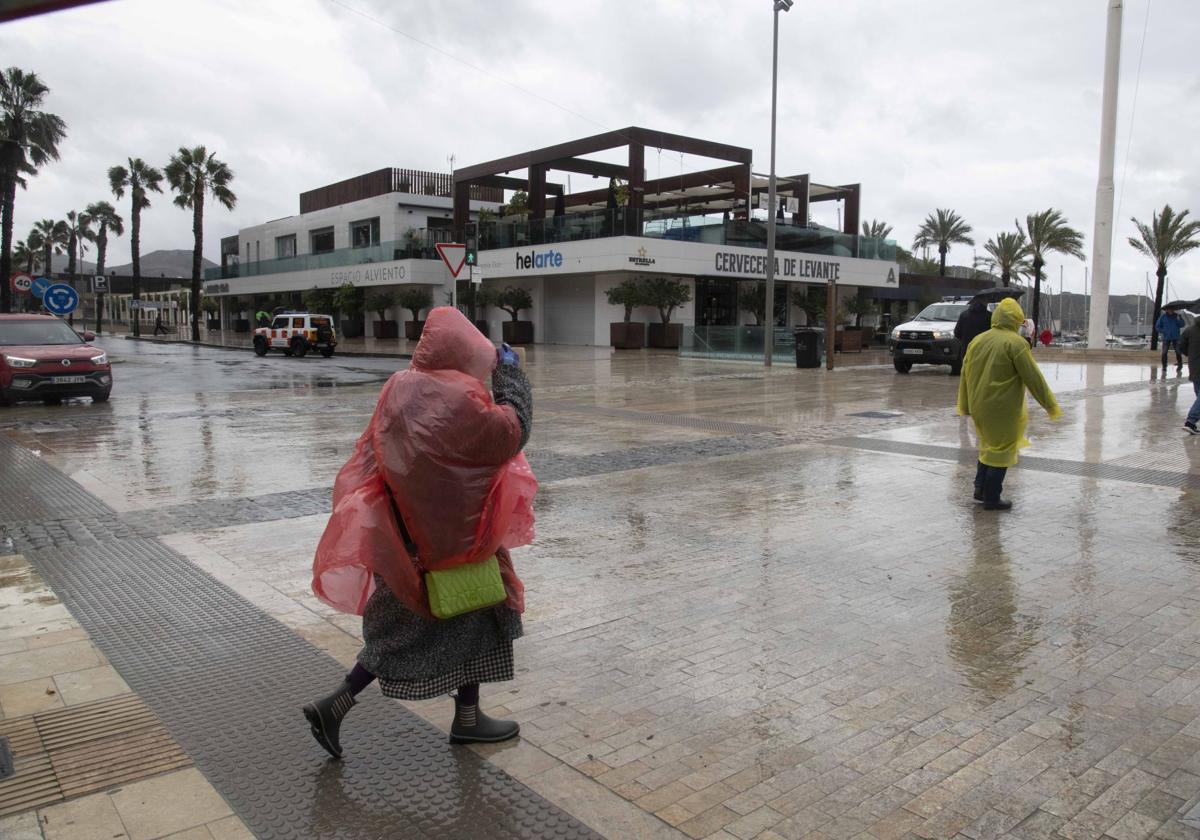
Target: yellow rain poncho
998, 367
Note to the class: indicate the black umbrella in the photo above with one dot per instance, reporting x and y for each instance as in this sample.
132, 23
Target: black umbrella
997, 295
1180, 304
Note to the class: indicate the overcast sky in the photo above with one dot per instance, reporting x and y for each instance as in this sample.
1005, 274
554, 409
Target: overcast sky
989, 108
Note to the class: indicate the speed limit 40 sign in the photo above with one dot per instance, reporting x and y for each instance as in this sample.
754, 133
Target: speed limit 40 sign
21, 282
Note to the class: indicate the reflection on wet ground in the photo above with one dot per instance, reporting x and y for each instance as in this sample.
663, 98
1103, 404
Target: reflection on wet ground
797, 636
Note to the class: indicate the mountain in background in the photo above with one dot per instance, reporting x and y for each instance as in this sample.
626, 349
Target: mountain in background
176, 263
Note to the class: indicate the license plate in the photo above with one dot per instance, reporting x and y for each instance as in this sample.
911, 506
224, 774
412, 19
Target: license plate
68, 380
913, 351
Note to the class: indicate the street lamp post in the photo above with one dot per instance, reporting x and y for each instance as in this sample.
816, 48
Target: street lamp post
769, 329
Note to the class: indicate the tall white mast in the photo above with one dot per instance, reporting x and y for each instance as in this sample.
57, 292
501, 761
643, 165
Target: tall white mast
1102, 238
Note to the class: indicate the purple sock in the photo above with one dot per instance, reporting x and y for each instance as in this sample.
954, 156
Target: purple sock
359, 678
468, 694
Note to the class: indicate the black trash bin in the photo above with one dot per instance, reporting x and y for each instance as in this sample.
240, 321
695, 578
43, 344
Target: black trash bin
810, 347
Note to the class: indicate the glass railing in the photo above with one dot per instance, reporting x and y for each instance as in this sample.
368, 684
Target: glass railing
421, 246
744, 342
519, 231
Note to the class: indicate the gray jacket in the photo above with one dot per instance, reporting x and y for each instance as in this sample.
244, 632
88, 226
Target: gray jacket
1189, 346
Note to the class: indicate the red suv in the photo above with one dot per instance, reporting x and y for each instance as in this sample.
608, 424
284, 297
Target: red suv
42, 358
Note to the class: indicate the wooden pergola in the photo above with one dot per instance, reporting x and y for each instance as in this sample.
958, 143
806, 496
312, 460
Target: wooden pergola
724, 188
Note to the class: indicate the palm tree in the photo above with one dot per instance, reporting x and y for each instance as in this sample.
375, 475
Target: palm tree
22, 256
943, 229
35, 243
1165, 239
29, 138
138, 179
1047, 233
53, 236
106, 219
192, 173
1008, 253
79, 231
876, 229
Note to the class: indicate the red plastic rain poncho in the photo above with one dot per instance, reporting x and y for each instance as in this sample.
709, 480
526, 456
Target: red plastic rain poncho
996, 371
451, 459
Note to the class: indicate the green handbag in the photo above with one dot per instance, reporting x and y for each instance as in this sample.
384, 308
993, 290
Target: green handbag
465, 588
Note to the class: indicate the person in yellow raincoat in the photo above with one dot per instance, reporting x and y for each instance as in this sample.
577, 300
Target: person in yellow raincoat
997, 369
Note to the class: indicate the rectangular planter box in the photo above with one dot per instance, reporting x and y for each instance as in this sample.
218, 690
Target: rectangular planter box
627, 336
413, 329
385, 329
241, 325
665, 336
352, 329
518, 332
213, 323
483, 328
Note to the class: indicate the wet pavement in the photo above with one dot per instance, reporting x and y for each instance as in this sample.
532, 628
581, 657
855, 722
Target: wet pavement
752, 610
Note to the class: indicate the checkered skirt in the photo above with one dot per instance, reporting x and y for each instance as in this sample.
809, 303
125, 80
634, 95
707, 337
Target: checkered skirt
494, 666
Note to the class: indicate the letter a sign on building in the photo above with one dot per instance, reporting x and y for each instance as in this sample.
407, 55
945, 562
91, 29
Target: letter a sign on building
454, 255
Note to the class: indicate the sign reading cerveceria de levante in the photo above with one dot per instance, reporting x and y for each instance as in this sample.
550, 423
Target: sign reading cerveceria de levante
726, 262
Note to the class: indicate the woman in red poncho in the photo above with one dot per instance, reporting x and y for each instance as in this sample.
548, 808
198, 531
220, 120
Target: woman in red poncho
436, 480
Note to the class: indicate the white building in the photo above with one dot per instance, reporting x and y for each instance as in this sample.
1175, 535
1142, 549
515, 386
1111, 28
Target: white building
567, 249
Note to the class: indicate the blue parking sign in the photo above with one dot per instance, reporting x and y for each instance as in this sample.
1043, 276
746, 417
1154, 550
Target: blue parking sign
40, 285
60, 299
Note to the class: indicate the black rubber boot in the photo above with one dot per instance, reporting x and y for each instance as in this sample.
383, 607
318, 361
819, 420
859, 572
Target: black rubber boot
472, 726
325, 717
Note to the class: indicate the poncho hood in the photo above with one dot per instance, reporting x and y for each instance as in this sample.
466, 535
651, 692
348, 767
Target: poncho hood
450, 342
1008, 315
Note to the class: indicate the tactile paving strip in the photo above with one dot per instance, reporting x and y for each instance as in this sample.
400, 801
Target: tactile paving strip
73, 751
228, 682
35, 491
1110, 472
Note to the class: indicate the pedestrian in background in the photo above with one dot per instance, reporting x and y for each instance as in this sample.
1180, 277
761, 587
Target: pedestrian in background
1189, 346
437, 483
997, 370
158, 323
975, 320
1169, 327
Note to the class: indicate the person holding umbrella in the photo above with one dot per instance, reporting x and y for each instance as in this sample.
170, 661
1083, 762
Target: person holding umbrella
1169, 327
977, 318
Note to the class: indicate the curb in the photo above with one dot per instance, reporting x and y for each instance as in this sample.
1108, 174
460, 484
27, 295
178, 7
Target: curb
359, 354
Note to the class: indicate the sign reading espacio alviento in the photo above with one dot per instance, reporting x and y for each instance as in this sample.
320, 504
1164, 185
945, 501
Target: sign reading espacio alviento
727, 262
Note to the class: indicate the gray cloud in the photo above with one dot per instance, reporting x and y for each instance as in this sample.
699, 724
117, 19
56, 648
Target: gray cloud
988, 108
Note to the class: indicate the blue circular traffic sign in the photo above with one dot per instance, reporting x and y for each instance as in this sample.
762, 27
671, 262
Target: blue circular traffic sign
60, 299
39, 286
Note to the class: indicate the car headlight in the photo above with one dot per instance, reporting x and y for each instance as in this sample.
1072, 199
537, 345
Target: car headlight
943, 334
20, 362
102, 359
896, 334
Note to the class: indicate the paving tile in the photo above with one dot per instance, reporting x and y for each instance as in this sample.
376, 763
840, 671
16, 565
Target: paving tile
170, 803
20, 699
47, 662
93, 817
90, 684
229, 828
21, 827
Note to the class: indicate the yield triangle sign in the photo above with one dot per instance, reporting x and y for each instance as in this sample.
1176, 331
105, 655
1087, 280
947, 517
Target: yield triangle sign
454, 255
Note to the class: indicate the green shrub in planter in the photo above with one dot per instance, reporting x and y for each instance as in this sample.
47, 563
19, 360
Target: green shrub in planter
625, 335
666, 295
414, 299
512, 300
380, 302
